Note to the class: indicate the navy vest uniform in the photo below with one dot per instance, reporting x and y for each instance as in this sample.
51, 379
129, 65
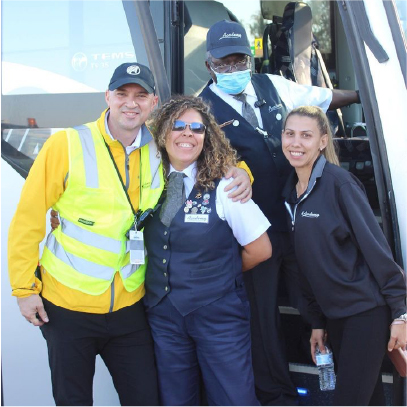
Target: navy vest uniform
193, 263
197, 307
261, 152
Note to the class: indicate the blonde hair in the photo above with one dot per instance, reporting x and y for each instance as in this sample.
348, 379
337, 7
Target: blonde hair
324, 127
217, 155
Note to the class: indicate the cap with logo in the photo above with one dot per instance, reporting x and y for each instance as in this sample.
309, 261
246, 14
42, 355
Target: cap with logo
226, 38
132, 72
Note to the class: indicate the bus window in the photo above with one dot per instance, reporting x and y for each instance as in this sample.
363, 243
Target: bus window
200, 19
401, 6
57, 60
201, 15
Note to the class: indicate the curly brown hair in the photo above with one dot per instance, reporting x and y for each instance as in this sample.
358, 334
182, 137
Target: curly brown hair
217, 155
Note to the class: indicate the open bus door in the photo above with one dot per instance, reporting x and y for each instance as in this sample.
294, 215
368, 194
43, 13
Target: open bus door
363, 47
379, 52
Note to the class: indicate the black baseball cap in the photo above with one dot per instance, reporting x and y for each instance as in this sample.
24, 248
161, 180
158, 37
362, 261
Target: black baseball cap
226, 38
132, 72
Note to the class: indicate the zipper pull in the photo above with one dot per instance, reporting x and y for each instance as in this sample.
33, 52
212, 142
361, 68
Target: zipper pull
292, 227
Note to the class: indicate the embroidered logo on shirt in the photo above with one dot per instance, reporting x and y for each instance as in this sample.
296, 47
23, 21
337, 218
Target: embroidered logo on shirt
86, 222
306, 214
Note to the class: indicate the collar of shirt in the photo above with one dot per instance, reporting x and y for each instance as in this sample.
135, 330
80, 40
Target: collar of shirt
251, 99
189, 180
136, 143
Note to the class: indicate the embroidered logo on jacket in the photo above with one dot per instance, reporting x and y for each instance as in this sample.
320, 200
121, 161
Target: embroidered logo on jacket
306, 214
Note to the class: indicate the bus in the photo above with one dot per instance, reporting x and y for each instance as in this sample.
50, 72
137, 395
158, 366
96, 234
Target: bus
58, 57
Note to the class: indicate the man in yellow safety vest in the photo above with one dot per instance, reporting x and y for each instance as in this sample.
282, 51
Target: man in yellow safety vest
86, 298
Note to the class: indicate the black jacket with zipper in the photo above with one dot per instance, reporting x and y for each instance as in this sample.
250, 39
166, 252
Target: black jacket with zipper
346, 265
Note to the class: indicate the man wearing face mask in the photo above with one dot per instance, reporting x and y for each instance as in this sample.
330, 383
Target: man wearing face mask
257, 104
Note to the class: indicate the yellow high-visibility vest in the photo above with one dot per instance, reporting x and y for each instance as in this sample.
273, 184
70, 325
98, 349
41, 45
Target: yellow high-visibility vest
90, 245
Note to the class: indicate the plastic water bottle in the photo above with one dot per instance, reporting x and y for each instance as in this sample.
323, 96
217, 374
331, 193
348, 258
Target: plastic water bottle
325, 364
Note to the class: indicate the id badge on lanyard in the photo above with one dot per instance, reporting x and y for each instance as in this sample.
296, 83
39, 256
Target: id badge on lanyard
136, 241
136, 237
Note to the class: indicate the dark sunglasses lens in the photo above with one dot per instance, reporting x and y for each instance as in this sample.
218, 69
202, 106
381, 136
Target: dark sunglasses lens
197, 127
178, 125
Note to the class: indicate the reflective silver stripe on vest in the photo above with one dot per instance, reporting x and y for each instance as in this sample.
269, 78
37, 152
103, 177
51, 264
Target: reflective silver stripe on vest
129, 269
89, 156
81, 265
90, 238
155, 160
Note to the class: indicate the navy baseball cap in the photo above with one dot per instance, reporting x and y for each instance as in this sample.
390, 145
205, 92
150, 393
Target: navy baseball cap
226, 38
132, 72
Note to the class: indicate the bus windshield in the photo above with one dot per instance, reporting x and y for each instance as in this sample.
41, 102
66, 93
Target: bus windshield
57, 56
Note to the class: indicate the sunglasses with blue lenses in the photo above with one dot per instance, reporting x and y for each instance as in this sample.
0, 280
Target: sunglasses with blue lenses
195, 127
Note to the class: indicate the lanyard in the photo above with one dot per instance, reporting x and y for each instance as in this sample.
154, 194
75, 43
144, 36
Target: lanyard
121, 180
140, 217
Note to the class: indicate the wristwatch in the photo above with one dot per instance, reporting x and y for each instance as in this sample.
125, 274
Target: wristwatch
402, 317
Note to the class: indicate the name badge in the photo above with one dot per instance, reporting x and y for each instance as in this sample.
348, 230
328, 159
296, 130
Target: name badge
196, 218
136, 241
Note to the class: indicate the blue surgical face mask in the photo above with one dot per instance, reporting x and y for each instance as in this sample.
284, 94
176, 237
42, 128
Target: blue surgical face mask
233, 83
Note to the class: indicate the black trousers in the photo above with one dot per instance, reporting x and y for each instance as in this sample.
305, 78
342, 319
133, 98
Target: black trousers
359, 343
121, 338
270, 365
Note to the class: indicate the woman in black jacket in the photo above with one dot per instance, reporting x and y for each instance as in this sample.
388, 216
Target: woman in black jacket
353, 287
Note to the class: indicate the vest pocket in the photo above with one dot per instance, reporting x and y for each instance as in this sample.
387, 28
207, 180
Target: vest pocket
209, 271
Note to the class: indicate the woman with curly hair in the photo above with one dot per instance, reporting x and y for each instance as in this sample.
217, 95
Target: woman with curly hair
196, 302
